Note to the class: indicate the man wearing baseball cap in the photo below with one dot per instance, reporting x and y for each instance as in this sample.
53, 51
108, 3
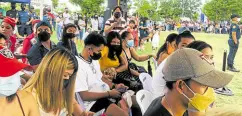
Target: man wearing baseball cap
189, 78
43, 45
234, 36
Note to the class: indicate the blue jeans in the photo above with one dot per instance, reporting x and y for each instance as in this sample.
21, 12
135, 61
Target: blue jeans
59, 32
233, 48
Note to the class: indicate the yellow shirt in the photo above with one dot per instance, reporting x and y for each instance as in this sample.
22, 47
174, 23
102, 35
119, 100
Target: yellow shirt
106, 62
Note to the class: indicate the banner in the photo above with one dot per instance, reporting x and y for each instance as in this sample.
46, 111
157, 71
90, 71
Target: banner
16, 1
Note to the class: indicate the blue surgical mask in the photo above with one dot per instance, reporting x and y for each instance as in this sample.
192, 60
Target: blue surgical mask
130, 43
9, 85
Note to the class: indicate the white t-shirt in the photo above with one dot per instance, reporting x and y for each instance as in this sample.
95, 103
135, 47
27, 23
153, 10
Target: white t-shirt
66, 17
158, 82
89, 78
94, 24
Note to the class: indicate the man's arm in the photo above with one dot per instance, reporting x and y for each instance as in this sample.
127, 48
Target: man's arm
93, 96
234, 34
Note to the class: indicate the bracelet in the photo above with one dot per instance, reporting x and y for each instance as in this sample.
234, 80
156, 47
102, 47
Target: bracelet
108, 94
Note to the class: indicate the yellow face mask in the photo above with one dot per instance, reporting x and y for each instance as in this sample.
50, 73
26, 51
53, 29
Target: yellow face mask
200, 102
170, 48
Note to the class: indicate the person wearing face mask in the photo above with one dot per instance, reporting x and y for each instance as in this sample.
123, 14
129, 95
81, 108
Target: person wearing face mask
67, 38
116, 23
234, 36
134, 31
25, 19
43, 45
190, 77
167, 48
130, 52
66, 17
112, 54
52, 85
13, 12
90, 85
14, 102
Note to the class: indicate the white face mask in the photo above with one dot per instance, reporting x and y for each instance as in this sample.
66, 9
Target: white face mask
238, 19
10, 85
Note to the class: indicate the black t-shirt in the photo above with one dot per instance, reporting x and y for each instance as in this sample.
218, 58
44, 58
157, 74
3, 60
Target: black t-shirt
157, 109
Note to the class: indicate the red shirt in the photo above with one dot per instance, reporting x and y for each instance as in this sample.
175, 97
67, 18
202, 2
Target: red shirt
135, 35
51, 15
27, 45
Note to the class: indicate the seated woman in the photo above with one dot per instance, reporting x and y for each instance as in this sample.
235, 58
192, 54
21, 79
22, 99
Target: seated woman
53, 83
67, 38
112, 55
167, 48
129, 50
12, 101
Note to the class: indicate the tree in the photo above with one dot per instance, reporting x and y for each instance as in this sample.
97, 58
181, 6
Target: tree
55, 3
190, 7
218, 10
170, 9
89, 7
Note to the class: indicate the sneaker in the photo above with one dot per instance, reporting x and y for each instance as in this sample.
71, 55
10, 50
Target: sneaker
233, 69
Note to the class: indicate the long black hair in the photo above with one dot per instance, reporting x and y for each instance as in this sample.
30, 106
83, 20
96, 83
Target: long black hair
199, 45
111, 53
170, 38
64, 39
124, 35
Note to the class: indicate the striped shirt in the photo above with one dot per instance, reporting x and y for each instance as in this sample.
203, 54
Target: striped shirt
119, 27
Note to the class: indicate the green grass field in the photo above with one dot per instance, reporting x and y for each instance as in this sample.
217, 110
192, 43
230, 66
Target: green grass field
219, 44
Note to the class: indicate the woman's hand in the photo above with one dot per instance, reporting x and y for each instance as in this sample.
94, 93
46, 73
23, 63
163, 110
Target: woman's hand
87, 113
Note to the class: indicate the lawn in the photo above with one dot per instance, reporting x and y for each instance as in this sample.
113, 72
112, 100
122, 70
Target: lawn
219, 44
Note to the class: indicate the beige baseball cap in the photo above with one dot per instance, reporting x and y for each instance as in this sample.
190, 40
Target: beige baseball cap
189, 63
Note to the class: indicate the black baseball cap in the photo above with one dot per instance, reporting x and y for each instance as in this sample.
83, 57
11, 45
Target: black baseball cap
44, 23
234, 15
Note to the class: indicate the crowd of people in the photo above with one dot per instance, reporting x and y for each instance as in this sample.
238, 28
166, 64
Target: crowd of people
42, 78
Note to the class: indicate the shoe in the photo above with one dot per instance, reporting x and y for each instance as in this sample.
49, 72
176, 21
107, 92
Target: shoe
224, 91
233, 69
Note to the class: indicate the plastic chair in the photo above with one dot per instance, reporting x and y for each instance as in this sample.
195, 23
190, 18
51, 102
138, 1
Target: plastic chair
144, 99
146, 80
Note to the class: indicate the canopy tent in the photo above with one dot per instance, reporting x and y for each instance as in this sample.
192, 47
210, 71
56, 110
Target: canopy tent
16, 1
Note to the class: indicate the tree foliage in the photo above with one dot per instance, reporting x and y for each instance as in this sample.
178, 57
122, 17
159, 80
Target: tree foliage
55, 3
157, 9
89, 7
218, 10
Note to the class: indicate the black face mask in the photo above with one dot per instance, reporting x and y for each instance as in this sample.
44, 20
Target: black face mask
69, 35
115, 47
43, 36
65, 83
13, 7
96, 56
117, 15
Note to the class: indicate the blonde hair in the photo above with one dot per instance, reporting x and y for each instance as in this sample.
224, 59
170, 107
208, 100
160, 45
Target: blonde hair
48, 81
231, 110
